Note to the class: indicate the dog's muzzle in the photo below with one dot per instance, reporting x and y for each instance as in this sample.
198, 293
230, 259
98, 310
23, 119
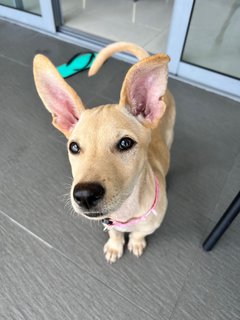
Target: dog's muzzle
88, 195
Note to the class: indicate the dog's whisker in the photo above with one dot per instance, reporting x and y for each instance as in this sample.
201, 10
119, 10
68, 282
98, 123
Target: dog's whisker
67, 186
3, 229
67, 177
66, 195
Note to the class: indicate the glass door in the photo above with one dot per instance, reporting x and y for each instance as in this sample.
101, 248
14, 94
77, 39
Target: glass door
144, 22
36, 13
201, 36
204, 43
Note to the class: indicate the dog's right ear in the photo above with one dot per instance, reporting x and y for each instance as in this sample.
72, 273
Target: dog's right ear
58, 97
144, 88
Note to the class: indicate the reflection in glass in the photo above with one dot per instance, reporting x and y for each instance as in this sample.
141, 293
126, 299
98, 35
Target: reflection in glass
213, 36
31, 6
144, 22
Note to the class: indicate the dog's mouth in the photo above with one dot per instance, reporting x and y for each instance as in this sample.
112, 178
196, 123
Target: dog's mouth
94, 214
97, 214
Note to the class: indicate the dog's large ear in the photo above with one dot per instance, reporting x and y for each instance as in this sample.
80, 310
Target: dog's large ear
58, 97
144, 87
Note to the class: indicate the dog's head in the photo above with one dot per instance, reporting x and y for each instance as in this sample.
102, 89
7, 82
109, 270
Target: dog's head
107, 145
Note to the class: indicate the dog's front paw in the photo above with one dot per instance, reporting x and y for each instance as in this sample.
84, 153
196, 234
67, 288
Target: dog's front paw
113, 250
137, 246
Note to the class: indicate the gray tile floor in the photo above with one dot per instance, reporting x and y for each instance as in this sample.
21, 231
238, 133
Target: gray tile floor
52, 265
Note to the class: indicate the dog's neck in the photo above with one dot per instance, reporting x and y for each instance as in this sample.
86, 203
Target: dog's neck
140, 200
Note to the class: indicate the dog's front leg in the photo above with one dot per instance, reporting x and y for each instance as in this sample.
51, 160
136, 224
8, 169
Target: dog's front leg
113, 248
137, 243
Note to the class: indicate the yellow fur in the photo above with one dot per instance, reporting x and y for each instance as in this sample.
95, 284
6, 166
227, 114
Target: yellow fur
128, 177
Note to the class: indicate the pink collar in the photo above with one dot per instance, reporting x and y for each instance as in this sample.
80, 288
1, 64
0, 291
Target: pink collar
114, 223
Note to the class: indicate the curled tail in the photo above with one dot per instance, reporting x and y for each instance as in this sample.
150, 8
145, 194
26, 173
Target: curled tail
107, 52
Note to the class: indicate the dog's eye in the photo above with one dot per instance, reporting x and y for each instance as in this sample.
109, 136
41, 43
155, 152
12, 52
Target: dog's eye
74, 148
125, 144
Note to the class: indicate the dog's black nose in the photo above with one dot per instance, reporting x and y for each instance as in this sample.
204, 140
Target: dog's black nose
87, 195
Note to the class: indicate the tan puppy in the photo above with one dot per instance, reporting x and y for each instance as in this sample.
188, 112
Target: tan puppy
119, 153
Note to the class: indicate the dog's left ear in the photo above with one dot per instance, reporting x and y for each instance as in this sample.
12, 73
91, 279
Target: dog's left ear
144, 87
58, 97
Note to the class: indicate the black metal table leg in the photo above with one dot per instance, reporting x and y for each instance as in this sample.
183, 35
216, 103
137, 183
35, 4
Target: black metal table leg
222, 225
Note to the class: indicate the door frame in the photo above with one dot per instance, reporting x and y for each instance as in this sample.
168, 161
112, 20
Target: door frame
181, 19
51, 21
45, 22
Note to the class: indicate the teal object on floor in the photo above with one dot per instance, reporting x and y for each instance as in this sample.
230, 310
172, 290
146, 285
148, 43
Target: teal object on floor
79, 62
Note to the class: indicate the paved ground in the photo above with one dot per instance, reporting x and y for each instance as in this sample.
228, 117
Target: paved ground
52, 265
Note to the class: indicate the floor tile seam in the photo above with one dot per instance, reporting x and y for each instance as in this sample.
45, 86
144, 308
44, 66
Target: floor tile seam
184, 282
137, 24
225, 182
147, 26
199, 251
152, 38
221, 192
104, 283
195, 258
15, 61
59, 252
26, 230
